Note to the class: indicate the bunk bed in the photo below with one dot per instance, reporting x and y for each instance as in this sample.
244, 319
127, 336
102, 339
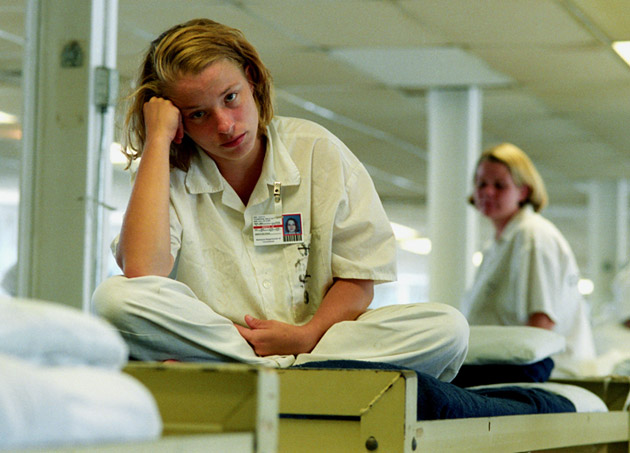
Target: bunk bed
362, 410
326, 407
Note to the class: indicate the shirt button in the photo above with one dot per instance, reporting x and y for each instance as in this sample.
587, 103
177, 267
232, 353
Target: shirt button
267, 284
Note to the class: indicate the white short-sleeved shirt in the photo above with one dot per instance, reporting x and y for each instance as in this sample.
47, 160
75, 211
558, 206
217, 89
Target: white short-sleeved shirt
345, 231
531, 268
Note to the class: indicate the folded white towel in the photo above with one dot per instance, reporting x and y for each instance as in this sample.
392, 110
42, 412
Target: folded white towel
43, 406
53, 334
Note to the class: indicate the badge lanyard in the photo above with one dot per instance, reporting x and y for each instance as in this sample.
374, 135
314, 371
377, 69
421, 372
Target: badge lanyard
277, 228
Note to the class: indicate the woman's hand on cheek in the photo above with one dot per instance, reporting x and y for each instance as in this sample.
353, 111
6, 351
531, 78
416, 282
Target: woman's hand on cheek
163, 120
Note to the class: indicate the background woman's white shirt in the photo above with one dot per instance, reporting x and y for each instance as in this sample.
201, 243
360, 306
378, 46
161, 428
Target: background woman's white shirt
530, 268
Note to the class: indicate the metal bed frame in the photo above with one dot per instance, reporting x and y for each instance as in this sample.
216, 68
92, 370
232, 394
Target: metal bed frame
332, 410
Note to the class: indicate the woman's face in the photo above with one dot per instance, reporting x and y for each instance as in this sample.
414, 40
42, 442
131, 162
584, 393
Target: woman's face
496, 195
219, 112
291, 225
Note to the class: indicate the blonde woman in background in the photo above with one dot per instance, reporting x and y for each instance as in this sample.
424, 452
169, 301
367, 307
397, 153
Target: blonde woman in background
529, 274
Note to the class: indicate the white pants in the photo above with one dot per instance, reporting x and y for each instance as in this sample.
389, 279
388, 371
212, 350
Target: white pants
161, 319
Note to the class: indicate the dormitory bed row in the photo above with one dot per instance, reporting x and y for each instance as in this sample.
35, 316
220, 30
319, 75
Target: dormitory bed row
361, 410
66, 386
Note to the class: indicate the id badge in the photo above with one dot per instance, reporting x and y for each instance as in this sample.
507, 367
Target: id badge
270, 229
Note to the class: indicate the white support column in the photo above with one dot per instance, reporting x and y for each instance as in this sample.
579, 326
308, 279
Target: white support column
64, 133
623, 191
454, 118
604, 234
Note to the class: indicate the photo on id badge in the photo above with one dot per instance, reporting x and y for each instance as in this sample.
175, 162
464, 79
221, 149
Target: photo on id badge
292, 228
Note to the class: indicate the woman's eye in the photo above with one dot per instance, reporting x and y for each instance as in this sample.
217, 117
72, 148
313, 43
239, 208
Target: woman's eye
230, 97
196, 115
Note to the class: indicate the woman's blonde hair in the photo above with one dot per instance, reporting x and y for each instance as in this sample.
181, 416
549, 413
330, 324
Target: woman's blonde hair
521, 169
189, 48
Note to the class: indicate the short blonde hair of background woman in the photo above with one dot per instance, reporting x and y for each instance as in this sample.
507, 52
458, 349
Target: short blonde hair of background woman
521, 169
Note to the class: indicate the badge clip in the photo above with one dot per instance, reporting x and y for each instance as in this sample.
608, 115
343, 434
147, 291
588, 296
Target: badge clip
276, 191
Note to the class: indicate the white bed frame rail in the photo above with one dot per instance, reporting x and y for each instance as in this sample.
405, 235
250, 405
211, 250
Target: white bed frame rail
347, 411
365, 410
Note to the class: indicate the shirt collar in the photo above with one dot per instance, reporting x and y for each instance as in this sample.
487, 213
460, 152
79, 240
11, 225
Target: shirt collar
203, 176
512, 226
278, 165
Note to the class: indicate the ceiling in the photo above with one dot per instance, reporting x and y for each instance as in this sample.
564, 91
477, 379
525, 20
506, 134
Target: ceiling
551, 82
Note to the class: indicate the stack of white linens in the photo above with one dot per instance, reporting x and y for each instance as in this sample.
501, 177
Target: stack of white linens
61, 382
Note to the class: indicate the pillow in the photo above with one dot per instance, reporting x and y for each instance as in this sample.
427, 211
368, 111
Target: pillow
54, 406
519, 345
53, 334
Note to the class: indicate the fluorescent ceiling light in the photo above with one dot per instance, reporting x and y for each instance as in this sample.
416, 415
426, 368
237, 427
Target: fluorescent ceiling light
623, 50
403, 232
409, 239
419, 246
7, 118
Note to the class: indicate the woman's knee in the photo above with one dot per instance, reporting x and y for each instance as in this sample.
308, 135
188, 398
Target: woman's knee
105, 299
446, 324
111, 297
119, 297
440, 324
456, 328
451, 324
